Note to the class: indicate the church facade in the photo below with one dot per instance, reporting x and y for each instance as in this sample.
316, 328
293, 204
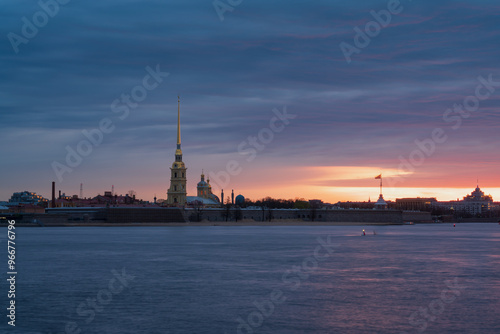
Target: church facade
204, 194
177, 193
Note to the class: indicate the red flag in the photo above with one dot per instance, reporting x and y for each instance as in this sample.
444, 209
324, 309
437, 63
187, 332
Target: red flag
378, 176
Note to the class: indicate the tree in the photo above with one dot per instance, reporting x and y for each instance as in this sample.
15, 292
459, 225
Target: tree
269, 215
313, 208
196, 216
227, 209
237, 214
301, 203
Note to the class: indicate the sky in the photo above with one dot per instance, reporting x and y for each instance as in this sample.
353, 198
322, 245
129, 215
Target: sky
287, 99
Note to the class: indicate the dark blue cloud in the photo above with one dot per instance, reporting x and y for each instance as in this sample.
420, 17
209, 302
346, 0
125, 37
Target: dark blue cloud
231, 74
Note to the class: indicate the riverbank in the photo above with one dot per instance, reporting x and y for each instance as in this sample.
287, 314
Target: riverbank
212, 223
204, 223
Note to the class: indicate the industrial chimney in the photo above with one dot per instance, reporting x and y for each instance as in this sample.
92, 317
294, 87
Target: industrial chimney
53, 194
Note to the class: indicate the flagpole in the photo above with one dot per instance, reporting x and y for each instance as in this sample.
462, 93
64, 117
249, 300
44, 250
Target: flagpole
381, 185
380, 177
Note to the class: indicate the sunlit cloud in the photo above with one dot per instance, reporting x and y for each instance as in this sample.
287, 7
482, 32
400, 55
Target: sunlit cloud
334, 173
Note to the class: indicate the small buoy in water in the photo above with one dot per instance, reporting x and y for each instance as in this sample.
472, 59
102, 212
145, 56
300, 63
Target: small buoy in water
453, 225
364, 232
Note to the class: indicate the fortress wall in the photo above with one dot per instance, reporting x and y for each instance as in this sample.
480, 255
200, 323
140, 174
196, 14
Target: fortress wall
112, 215
374, 216
144, 215
30, 219
368, 216
417, 217
175, 215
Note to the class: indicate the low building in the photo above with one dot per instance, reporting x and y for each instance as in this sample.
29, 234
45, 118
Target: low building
416, 204
26, 197
26, 208
475, 204
354, 205
381, 204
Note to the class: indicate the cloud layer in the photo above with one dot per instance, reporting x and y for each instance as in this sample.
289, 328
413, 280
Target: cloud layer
231, 74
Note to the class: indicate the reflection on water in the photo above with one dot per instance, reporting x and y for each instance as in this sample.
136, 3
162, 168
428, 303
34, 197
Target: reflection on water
260, 279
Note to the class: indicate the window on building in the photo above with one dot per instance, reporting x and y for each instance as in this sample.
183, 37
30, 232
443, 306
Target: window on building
175, 188
175, 174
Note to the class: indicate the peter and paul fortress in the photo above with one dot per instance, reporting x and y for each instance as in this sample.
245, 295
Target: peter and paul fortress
177, 194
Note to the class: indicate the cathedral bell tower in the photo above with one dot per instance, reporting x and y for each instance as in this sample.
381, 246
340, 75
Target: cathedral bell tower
176, 194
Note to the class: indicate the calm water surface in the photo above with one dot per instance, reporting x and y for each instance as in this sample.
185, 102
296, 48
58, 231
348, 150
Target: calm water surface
404, 279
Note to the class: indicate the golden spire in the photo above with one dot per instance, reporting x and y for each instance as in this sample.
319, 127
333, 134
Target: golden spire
178, 122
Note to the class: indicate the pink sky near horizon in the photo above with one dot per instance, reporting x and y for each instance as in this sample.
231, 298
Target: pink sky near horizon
335, 183
444, 177
355, 183
266, 177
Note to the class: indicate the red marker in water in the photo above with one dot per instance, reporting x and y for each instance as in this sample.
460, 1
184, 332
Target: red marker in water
453, 225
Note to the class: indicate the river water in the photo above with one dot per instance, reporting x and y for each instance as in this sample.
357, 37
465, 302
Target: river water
300, 279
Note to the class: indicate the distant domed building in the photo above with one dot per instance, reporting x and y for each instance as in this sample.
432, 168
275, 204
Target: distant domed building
240, 200
478, 195
205, 189
476, 203
204, 195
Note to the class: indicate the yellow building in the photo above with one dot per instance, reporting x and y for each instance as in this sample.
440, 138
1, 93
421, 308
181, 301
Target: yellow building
176, 194
205, 190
